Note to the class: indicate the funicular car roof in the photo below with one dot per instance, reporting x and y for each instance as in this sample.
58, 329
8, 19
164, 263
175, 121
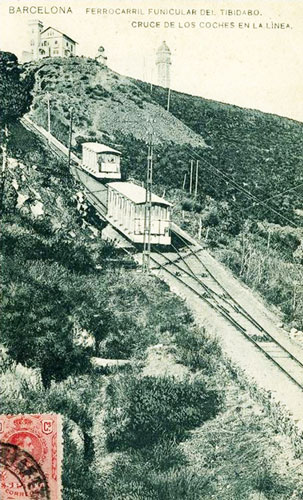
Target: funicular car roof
100, 148
136, 194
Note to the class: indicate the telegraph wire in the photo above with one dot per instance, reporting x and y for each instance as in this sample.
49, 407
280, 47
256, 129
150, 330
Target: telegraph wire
226, 178
277, 195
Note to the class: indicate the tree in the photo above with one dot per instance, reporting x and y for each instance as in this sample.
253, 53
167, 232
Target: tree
15, 100
39, 334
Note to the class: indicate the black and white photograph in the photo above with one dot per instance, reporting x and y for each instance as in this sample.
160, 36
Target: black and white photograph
151, 200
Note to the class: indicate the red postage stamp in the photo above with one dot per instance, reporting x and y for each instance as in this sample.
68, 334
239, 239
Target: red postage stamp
30, 457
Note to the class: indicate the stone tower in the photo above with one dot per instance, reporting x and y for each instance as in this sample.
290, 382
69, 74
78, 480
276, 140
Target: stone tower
163, 63
35, 28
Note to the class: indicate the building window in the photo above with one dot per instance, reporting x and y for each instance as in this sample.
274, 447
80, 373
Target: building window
71, 48
56, 51
32, 42
56, 42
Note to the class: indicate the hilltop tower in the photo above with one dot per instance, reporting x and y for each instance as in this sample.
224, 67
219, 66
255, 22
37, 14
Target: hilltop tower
163, 63
35, 28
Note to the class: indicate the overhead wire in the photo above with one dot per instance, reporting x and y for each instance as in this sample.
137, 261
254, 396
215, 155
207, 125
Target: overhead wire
276, 195
227, 179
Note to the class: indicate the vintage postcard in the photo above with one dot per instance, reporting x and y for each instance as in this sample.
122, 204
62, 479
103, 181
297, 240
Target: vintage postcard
151, 199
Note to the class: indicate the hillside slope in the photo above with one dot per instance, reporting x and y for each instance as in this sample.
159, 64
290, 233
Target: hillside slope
104, 103
250, 183
248, 151
262, 153
179, 421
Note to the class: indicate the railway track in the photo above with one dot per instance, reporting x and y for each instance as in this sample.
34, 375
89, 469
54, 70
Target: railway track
202, 283
89, 193
60, 150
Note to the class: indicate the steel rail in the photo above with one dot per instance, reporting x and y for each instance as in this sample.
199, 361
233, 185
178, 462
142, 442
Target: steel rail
237, 325
225, 314
240, 308
213, 292
218, 308
236, 305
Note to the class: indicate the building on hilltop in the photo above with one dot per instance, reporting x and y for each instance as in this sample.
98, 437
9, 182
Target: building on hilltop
163, 63
48, 42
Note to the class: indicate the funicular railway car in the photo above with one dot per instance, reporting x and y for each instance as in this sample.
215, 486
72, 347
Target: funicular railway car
126, 208
101, 161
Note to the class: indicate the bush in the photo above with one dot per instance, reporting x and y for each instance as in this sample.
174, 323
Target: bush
191, 206
27, 246
197, 350
158, 472
97, 92
142, 411
138, 480
271, 483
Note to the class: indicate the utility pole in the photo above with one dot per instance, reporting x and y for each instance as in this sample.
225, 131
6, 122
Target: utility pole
148, 209
191, 176
168, 99
70, 135
48, 115
197, 173
200, 228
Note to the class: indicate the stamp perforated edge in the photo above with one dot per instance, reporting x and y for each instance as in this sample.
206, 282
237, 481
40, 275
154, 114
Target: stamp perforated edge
57, 494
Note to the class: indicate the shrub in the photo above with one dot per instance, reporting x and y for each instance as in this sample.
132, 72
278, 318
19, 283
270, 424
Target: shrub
142, 411
97, 92
271, 483
163, 455
26, 246
197, 350
211, 218
191, 206
138, 475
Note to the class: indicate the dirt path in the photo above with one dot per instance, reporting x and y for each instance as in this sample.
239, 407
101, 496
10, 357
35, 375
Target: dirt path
235, 345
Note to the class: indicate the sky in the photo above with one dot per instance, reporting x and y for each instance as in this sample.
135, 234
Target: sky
234, 57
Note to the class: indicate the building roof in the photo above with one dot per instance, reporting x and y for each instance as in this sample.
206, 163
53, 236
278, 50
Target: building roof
100, 148
135, 193
58, 31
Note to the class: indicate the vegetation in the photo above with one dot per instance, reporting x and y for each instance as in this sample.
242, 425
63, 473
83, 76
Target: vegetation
175, 422
249, 154
15, 101
146, 410
247, 151
249, 207
15, 90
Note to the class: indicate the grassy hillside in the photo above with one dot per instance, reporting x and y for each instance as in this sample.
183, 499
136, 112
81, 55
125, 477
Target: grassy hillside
178, 422
249, 198
252, 151
260, 152
104, 102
